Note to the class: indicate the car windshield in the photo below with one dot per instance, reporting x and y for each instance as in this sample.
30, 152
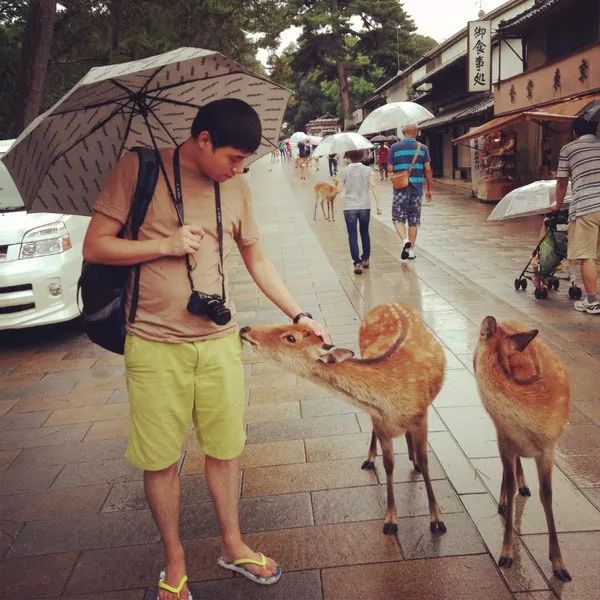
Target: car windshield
10, 199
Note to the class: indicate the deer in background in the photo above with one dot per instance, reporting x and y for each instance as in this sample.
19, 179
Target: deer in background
399, 375
327, 193
525, 389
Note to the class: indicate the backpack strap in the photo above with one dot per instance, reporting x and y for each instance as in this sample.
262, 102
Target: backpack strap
414, 159
144, 190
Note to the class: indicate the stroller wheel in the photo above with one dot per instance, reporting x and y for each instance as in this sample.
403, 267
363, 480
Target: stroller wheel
541, 294
517, 284
523, 284
577, 293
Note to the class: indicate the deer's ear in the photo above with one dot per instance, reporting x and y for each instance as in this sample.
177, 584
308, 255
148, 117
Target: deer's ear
336, 355
520, 341
488, 328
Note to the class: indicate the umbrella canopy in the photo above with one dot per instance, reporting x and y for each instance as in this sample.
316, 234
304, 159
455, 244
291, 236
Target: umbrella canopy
591, 112
340, 143
379, 138
59, 163
298, 136
394, 116
313, 140
536, 198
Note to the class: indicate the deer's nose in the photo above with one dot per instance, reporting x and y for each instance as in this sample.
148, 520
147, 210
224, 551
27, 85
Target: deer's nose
245, 329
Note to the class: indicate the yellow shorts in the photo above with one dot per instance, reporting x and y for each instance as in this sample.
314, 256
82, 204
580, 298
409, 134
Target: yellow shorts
584, 237
172, 385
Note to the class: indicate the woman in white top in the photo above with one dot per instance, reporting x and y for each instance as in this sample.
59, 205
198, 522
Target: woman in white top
359, 184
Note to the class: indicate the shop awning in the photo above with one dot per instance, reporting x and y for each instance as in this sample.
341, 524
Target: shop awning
558, 112
461, 114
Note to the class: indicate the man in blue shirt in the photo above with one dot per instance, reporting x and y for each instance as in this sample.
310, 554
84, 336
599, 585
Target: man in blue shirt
406, 206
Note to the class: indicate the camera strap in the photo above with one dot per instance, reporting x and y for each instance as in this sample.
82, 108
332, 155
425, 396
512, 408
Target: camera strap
177, 197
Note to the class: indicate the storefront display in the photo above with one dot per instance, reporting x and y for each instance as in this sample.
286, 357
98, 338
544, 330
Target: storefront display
494, 159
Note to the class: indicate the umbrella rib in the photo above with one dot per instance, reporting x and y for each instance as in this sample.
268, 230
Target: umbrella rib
145, 88
93, 130
89, 106
178, 102
127, 129
163, 126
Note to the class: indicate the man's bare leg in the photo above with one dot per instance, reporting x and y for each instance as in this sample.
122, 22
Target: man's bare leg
163, 492
589, 274
412, 236
401, 230
223, 478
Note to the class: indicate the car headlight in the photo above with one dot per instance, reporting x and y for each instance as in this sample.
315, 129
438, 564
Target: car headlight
45, 240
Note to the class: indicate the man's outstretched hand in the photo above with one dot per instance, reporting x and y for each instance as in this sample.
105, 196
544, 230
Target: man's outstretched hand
316, 328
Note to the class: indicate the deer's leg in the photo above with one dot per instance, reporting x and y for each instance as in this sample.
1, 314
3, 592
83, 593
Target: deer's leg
369, 464
509, 484
544, 466
390, 525
326, 217
502, 503
419, 438
411, 452
332, 211
316, 206
521, 485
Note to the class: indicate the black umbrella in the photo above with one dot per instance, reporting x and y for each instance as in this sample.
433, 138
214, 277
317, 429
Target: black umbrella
591, 112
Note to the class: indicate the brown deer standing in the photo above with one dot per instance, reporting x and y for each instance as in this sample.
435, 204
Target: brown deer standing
399, 375
326, 193
525, 389
301, 167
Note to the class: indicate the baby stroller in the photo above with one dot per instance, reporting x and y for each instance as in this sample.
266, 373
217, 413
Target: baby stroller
548, 263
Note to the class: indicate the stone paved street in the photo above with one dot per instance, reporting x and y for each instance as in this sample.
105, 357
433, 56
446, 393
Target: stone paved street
74, 522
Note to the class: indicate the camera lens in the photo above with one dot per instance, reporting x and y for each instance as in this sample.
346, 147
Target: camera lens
217, 312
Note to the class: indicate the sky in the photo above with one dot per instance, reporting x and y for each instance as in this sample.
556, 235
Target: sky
439, 19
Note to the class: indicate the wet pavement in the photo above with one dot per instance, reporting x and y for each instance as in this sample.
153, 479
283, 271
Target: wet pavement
73, 519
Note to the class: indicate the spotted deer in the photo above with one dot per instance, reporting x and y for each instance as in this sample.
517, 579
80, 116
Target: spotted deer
525, 389
399, 375
326, 193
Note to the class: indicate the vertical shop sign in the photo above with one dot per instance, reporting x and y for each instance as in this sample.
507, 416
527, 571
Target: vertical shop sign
480, 56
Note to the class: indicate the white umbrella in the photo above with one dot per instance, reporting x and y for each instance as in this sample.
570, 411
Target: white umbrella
313, 140
298, 136
60, 161
340, 143
394, 116
537, 198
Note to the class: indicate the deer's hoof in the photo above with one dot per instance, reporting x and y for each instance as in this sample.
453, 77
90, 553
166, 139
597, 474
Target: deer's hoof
524, 491
505, 561
417, 467
390, 528
437, 527
368, 465
501, 509
563, 575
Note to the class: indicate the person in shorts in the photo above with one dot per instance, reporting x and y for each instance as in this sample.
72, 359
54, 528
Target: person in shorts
580, 161
183, 368
406, 204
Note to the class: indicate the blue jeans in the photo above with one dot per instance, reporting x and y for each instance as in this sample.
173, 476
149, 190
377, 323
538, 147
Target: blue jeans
361, 216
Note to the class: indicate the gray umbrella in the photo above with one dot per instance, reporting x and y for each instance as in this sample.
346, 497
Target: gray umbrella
591, 112
59, 163
378, 138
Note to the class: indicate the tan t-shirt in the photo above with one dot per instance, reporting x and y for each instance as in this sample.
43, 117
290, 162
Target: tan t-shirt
164, 286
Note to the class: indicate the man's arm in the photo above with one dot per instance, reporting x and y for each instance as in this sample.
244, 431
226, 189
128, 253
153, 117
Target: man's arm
272, 286
429, 181
102, 246
561, 191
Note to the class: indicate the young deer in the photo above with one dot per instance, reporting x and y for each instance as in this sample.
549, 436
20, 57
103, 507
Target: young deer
399, 375
301, 167
525, 389
326, 193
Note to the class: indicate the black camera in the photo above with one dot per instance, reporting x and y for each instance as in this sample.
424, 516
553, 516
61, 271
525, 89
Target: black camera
211, 305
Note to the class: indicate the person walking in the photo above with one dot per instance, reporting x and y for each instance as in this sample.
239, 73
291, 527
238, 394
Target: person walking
333, 165
580, 161
358, 182
412, 156
282, 150
183, 361
383, 153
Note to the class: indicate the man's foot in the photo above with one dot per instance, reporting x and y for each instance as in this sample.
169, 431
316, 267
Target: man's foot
411, 254
269, 570
175, 571
358, 269
405, 249
591, 308
365, 264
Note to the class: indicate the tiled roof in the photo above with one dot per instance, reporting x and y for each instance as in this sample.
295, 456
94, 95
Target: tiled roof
459, 114
522, 20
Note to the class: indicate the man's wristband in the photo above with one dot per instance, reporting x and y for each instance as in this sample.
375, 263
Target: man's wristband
300, 315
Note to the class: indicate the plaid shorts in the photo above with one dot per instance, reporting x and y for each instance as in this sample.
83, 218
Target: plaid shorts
406, 206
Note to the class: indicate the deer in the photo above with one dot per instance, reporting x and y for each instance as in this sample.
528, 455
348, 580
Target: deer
398, 376
301, 167
327, 193
525, 389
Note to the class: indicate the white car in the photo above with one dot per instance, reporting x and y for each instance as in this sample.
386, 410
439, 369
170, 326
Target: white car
40, 260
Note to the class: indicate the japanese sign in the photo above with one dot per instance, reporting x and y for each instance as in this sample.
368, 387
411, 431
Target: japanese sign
480, 56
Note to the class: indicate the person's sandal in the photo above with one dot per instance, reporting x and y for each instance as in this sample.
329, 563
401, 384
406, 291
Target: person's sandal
357, 269
174, 590
237, 566
365, 264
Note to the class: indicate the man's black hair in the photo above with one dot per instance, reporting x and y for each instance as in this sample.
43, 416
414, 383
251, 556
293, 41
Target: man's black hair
230, 122
582, 126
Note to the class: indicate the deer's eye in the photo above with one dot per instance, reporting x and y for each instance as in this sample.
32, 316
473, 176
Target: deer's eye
291, 339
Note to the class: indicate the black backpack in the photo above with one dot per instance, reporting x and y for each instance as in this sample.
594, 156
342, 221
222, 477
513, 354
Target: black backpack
103, 287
